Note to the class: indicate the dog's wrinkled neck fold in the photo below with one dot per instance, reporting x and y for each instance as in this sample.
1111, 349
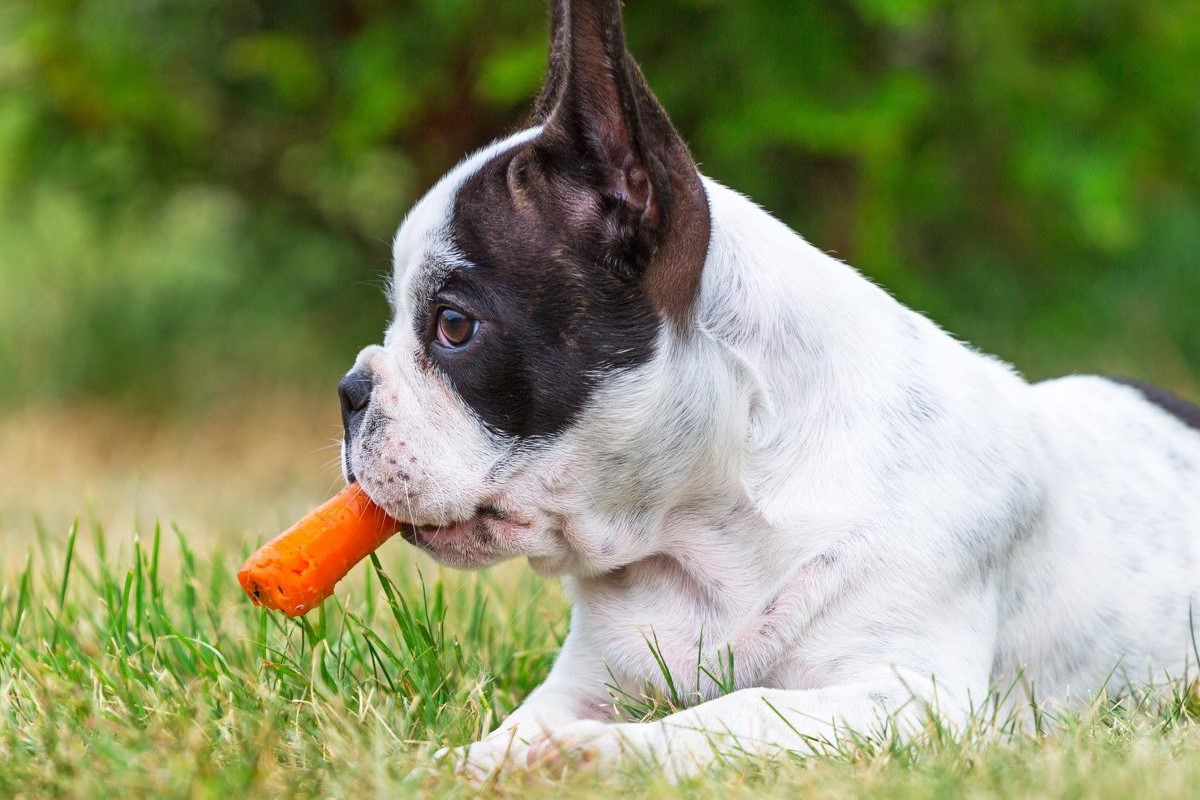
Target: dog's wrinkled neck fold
657, 460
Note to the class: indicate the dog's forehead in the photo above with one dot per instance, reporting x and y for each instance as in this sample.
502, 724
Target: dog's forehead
424, 246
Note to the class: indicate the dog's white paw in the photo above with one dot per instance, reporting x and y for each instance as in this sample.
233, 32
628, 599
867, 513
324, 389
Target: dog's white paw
607, 747
586, 744
486, 759
603, 747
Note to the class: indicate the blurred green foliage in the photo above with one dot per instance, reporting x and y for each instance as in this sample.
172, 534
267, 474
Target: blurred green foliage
196, 198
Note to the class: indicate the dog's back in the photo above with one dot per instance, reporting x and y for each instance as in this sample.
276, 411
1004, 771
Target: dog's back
1107, 582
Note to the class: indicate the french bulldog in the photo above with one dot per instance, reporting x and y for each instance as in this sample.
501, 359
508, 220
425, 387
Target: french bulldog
751, 468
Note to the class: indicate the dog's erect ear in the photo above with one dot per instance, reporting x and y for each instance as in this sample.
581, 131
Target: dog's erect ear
605, 130
594, 123
558, 62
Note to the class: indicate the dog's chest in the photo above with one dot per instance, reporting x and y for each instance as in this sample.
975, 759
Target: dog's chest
654, 616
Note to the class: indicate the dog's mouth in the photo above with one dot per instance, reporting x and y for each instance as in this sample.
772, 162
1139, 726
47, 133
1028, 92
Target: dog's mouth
434, 534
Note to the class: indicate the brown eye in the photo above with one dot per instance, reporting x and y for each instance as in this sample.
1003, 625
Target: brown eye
454, 329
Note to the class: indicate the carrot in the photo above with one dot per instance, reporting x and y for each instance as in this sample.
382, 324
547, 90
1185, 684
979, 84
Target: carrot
298, 569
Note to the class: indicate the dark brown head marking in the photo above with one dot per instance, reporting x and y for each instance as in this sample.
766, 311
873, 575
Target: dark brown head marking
580, 243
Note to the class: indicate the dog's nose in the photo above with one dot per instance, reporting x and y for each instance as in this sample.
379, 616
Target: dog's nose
354, 391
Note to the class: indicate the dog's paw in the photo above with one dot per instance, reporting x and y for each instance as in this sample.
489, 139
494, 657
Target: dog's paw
607, 747
586, 745
486, 759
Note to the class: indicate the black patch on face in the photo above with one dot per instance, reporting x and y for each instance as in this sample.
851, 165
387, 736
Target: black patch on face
580, 244
1187, 412
557, 312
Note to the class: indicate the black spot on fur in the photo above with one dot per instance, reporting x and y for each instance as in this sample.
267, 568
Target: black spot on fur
579, 244
1187, 412
556, 313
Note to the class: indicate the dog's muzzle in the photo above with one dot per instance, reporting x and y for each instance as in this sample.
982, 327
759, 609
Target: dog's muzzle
354, 391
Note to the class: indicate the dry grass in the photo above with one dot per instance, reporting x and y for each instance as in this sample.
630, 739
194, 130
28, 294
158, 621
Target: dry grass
225, 476
225, 469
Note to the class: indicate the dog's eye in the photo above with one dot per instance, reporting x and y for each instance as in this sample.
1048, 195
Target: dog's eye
454, 329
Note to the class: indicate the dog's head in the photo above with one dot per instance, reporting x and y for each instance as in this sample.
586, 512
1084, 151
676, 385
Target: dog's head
533, 288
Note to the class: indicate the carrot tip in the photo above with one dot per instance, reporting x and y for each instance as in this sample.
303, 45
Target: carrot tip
298, 569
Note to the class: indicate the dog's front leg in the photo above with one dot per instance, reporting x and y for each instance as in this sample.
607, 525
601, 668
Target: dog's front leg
574, 691
750, 722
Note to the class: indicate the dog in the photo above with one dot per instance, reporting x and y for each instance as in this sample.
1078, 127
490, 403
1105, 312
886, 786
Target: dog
752, 469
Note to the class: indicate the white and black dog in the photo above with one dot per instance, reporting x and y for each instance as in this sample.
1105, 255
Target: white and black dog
724, 441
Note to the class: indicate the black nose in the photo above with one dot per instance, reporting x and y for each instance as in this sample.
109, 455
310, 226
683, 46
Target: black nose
354, 391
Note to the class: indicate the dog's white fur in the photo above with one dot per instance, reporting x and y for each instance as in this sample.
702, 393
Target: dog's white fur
867, 513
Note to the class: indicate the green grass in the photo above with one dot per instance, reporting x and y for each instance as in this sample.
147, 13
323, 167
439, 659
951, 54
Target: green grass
140, 670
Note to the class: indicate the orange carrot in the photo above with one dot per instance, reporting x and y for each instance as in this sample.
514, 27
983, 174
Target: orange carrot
298, 569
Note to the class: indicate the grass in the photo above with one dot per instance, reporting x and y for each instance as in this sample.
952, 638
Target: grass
132, 666
145, 677
136, 677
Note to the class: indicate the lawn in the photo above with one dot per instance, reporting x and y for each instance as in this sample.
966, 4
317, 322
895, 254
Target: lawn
131, 665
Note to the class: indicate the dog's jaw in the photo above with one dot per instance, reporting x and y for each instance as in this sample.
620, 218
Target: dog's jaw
488, 537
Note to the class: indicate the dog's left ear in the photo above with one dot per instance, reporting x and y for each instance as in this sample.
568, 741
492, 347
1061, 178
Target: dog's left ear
603, 128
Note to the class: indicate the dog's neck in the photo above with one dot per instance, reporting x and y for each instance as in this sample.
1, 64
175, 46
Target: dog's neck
736, 405
796, 364
766, 292
815, 342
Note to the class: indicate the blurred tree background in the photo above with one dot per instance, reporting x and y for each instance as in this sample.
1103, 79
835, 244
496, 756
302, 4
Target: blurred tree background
197, 196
